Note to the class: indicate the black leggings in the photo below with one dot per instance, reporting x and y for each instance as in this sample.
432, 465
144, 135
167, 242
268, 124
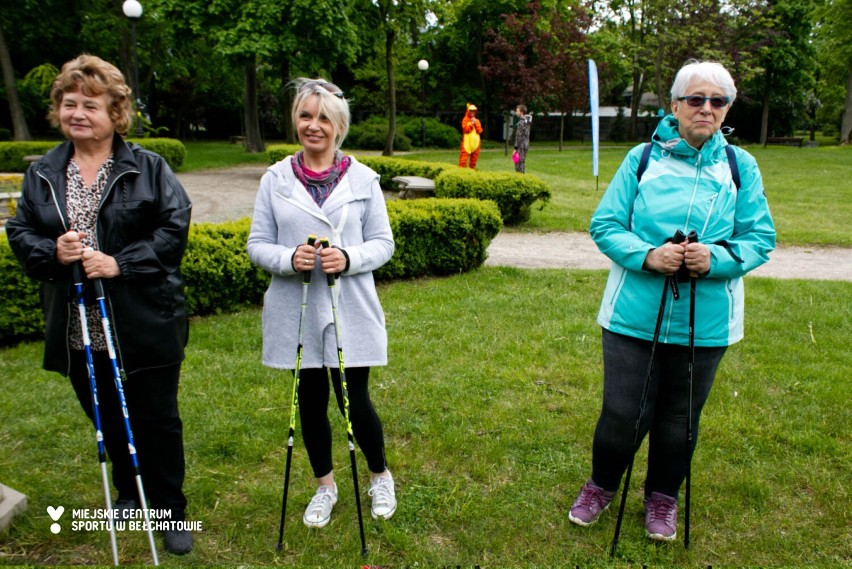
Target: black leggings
313, 415
665, 414
157, 428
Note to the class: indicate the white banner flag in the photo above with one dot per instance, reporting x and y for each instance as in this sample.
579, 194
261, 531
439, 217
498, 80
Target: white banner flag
593, 102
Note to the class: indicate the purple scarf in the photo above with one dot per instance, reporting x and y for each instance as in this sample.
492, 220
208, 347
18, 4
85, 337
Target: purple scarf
320, 184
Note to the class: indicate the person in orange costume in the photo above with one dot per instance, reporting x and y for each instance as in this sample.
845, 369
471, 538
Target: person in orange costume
471, 129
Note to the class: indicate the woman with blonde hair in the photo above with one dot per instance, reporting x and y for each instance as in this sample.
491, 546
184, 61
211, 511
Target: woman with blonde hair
321, 191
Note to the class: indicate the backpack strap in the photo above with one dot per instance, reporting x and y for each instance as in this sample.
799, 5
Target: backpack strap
729, 151
732, 162
643, 162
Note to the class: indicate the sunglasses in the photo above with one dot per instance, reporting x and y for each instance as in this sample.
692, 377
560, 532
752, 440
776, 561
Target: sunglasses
330, 87
698, 101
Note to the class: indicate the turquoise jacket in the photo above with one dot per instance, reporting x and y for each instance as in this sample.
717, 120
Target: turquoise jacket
687, 189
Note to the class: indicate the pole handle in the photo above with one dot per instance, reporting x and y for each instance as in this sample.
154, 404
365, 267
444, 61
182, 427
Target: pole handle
306, 276
328, 277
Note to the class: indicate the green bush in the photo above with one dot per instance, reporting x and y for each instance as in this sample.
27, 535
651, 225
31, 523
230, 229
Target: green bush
514, 194
218, 273
439, 236
12, 153
432, 237
373, 133
173, 151
438, 134
388, 168
21, 317
5, 134
278, 152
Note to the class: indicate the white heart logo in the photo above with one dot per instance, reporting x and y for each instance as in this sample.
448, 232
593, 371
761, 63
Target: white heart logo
55, 513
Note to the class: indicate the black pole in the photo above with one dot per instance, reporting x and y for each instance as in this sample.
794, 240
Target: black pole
139, 130
423, 107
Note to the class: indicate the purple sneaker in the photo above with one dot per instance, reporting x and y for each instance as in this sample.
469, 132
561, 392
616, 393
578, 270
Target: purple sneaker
661, 517
590, 504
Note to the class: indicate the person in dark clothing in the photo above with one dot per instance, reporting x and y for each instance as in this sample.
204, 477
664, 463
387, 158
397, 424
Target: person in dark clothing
117, 211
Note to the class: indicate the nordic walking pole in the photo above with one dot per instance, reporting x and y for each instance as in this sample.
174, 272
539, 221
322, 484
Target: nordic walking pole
294, 400
101, 297
345, 391
77, 269
678, 238
693, 278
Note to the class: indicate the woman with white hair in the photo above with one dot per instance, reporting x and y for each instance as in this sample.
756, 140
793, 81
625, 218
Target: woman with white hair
684, 181
320, 191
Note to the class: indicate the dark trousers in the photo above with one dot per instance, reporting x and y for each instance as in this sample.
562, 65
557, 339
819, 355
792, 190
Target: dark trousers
665, 414
313, 415
157, 429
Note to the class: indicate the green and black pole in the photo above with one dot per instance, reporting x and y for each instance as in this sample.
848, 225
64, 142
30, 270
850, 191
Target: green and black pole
345, 392
294, 399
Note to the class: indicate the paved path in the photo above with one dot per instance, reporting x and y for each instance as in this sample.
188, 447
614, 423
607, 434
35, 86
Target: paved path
221, 195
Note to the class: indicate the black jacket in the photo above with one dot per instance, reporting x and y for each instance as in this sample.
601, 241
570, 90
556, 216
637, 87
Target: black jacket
143, 222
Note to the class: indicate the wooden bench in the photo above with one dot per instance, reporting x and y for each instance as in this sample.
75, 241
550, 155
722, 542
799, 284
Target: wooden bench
30, 158
237, 139
411, 187
785, 140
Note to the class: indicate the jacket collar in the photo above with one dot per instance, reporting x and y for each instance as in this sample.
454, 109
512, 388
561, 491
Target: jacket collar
355, 185
56, 160
668, 137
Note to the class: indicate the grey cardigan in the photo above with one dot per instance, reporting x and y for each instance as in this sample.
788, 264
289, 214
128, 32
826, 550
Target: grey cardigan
355, 219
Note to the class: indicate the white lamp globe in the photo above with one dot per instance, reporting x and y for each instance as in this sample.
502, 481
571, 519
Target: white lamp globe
132, 9
422, 65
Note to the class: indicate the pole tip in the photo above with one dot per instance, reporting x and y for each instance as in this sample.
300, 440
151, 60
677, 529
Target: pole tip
364, 552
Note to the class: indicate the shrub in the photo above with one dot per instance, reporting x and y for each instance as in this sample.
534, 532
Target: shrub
439, 236
513, 194
21, 317
5, 134
173, 151
432, 237
372, 135
438, 134
12, 153
218, 273
388, 168
278, 152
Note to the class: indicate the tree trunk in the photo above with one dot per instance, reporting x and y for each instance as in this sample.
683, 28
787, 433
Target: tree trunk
288, 102
389, 39
638, 85
846, 123
764, 115
254, 139
19, 122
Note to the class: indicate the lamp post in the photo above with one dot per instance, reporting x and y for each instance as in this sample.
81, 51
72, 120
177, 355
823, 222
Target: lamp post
423, 65
133, 10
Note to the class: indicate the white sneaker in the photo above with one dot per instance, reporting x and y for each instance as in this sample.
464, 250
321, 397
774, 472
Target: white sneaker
384, 497
318, 512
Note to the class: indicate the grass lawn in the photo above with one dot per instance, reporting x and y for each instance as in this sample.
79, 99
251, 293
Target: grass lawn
489, 404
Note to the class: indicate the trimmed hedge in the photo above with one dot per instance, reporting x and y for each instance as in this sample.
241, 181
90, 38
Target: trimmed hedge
388, 168
439, 236
278, 152
216, 268
432, 237
172, 150
514, 194
12, 153
21, 317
